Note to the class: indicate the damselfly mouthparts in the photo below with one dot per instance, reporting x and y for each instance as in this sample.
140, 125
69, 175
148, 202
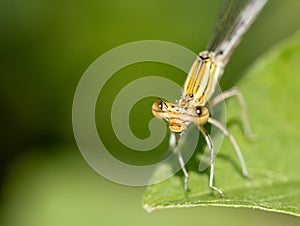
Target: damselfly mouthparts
235, 18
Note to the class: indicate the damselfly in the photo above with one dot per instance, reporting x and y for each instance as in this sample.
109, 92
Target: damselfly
194, 106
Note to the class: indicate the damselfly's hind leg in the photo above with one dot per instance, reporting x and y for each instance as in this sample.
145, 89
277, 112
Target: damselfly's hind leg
234, 92
234, 143
212, 159
174, 138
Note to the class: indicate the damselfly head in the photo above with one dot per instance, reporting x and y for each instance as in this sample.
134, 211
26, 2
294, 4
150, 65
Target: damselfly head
179, 117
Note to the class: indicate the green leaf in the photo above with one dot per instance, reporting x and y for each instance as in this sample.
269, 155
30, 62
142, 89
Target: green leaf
272, 92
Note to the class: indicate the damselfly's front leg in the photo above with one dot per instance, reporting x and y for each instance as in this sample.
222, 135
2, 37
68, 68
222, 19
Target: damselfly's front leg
234, 92
174, 138
212, 159
186, 175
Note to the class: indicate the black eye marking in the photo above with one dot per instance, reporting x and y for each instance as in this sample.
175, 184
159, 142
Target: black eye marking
160, 105
204, 57
198, 111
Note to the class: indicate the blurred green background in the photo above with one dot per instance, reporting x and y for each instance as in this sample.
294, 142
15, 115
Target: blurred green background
45, 48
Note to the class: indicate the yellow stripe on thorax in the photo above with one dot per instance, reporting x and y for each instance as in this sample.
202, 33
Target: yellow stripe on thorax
202, 78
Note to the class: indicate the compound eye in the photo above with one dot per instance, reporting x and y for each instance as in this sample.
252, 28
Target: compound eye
159, 109
198, 111
160, 106
201, 115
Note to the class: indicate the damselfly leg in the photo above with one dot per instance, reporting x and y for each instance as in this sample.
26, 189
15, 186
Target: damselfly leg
174, 139
212, 159
234, 92
233, 142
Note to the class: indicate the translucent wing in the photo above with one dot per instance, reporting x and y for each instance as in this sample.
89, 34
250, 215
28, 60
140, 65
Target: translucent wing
235, 18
